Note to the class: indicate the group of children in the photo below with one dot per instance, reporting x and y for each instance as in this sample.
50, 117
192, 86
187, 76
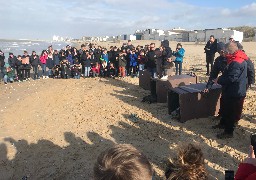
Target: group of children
89, 61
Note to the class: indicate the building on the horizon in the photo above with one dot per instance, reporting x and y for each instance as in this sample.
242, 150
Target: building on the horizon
176, 34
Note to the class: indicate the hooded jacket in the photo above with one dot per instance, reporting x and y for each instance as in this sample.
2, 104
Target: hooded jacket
234, 77
179, 55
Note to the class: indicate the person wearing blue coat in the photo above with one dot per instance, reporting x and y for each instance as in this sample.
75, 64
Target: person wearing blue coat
179, 54
133, 62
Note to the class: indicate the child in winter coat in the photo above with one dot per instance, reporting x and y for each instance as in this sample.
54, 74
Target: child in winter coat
96, 70
43, 59
50, 64
133, 63
112, 71
122, 63
179, 54
142, 60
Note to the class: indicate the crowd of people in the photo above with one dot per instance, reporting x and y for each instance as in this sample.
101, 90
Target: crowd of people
91, 61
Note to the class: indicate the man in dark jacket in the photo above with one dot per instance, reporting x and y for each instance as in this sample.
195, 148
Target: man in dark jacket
12, 62
166, 58
151, 63
2, 57
234, 82
210, 50
35, 62
219, 66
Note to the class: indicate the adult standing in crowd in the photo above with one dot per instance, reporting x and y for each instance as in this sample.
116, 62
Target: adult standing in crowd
12, 62
35, 62
210, 50
151, 60
234, 82
2, 57
166, 57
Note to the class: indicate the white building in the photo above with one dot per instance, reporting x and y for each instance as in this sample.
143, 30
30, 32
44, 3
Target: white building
222, 34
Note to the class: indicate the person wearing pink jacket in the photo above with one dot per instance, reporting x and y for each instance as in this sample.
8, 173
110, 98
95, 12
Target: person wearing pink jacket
43, 59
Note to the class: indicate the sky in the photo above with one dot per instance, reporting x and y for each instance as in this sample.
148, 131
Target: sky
41, 19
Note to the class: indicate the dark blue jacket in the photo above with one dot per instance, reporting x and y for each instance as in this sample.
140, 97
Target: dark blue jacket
234, 80
219, 65
50, 63
56, 59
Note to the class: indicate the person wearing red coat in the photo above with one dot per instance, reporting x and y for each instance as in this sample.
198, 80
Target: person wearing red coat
247, 169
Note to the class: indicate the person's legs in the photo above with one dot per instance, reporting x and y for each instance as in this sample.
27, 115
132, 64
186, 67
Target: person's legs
5, 79
180, 68
141, 67
177, 68
85, 71
36, 72
207, 64
88, 72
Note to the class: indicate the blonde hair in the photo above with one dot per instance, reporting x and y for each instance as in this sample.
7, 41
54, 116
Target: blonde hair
122, 162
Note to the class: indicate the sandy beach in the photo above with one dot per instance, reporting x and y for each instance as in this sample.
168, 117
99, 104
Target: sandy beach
55, 129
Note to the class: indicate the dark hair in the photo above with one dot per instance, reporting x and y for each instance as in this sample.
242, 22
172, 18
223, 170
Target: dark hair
212, 36
122, 162
179, 44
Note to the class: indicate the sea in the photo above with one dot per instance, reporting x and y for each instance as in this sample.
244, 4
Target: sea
17, 47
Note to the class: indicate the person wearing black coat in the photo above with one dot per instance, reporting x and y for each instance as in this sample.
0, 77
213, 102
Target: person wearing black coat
35, 62
210, 50
12, 62
151, 60
56, 58
166, 57
18, 65
234, 85
2, 63
219, 66
65, 69
97, 53
50, 65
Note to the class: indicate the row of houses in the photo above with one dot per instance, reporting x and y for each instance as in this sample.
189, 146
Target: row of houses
178, 34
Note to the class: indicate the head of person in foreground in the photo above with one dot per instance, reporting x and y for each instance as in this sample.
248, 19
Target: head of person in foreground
122, 162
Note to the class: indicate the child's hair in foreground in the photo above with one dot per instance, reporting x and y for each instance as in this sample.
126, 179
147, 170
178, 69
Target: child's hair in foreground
122, 162
188, 165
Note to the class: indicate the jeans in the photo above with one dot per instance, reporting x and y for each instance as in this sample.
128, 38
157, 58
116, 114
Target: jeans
6, 78
152, 72
87, 71
35, 69
141, 67
77, 77
50, 73
178, 66
43, 69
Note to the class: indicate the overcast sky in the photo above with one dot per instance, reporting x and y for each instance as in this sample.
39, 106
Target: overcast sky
41, 19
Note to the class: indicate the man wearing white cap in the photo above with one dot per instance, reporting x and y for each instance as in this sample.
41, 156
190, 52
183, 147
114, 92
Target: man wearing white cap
231, 38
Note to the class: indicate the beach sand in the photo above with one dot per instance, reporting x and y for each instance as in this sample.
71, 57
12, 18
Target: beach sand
55, 129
